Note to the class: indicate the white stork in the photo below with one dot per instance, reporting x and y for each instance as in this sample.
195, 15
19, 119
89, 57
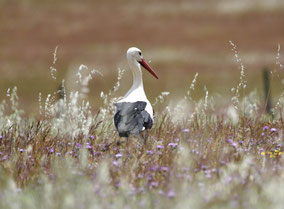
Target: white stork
134, 112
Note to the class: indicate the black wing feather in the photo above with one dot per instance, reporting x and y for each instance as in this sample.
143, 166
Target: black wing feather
130, 118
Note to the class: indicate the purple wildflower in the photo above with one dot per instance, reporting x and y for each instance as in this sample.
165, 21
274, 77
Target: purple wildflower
186, 130
58, 154
177, 140
159, 147
190, 140
228, 179
149, 178
196, 152
118, 155
21, 150
223, 162
154, 184
161, 141
88, 146
164, 168
172, 145
149, 152
1, 137
273, 129
171, 194
51, 150
262, 134
154, 168
140, 176
92, 137
265, 128
79, 145
204, 167
208, 173
232, 142
115, 163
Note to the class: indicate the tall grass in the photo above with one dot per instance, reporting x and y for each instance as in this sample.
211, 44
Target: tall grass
197, 155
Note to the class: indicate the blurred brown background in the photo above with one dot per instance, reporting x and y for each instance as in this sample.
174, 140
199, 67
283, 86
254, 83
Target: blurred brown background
179, 37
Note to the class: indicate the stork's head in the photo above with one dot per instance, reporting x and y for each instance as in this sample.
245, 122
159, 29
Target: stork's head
135, 54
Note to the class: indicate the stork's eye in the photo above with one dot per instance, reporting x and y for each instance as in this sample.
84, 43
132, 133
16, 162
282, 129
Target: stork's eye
140, 53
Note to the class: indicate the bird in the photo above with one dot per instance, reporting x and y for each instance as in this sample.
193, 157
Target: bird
134, 112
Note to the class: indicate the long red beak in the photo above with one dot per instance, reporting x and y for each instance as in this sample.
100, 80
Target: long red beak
147, 67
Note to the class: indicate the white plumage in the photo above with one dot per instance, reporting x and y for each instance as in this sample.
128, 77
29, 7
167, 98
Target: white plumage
134, 112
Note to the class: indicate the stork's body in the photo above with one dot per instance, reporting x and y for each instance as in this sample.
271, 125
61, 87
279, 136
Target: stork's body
134, 112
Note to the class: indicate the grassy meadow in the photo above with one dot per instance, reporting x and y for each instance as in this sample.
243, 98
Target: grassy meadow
213, 145
68, 157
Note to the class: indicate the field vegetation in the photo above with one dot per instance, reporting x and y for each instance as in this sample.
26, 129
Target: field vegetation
198, 155
213, 144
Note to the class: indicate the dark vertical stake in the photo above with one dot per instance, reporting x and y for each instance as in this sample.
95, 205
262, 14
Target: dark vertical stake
267, 90
61, 91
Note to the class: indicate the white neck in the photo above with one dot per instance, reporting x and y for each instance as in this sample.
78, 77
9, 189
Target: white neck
136, 92
137, 74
